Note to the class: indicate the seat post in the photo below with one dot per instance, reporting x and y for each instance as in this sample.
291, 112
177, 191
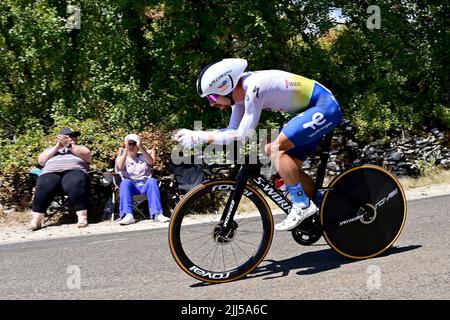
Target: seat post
325, 147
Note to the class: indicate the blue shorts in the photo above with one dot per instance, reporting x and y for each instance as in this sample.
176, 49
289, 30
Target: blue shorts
307, 128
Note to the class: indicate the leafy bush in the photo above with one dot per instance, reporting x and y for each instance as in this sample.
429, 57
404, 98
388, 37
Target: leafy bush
443, 114
372, 117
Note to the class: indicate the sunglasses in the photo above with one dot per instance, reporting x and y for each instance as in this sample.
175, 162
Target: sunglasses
212, 98
132, 143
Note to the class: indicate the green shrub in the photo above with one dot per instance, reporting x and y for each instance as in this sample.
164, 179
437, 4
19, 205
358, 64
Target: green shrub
371, 117
443, 114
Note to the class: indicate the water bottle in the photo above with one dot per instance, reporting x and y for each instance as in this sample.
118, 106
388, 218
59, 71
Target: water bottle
280, 185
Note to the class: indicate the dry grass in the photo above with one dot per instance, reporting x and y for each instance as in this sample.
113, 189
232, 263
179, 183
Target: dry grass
16, 217
432, 177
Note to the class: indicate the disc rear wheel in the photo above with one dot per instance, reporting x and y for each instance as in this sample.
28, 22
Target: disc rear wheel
364, 213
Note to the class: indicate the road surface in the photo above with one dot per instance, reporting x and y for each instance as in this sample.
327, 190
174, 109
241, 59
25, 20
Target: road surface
138, 265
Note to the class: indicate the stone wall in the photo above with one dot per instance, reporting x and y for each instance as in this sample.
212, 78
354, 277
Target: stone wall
404, 155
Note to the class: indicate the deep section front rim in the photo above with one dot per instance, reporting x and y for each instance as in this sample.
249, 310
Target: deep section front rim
180, 231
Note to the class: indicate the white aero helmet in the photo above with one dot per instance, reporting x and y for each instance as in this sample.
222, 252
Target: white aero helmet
220, 77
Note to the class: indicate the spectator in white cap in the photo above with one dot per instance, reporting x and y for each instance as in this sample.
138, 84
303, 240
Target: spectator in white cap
134, 164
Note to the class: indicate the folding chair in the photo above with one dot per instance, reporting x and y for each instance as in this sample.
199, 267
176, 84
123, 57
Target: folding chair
183, 178
187, 176
139, 201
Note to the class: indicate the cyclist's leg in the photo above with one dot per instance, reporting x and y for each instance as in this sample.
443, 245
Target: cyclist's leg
298, 138
288, 166
306, 180
281, 150
285, 164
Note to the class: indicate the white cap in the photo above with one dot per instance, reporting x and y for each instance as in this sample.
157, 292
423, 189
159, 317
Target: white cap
133, 137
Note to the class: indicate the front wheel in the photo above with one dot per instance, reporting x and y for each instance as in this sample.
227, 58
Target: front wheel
203, 249
364, 213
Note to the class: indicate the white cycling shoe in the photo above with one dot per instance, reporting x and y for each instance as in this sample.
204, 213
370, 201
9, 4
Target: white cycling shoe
296, 216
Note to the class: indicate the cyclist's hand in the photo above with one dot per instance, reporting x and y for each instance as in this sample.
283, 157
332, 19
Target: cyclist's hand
188, 138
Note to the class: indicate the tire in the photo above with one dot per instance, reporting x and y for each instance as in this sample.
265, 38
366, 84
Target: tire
373, 190
246, 247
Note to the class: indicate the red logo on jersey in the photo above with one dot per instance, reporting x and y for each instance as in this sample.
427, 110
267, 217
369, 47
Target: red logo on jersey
292, 84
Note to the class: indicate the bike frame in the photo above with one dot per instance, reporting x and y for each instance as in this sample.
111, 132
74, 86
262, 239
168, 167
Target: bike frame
252, 171
248, 171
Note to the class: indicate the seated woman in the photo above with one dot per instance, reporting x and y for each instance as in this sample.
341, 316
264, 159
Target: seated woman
65, 167
134, 164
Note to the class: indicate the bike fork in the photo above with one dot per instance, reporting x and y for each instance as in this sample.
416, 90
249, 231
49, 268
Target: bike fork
235, 198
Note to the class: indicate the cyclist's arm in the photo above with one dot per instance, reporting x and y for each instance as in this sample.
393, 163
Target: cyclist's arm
244, 120
236, 117
239, 128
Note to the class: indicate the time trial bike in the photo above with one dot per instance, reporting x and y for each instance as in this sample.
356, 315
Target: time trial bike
221, 230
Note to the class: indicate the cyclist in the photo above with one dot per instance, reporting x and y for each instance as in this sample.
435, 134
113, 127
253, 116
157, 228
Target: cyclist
226, 85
